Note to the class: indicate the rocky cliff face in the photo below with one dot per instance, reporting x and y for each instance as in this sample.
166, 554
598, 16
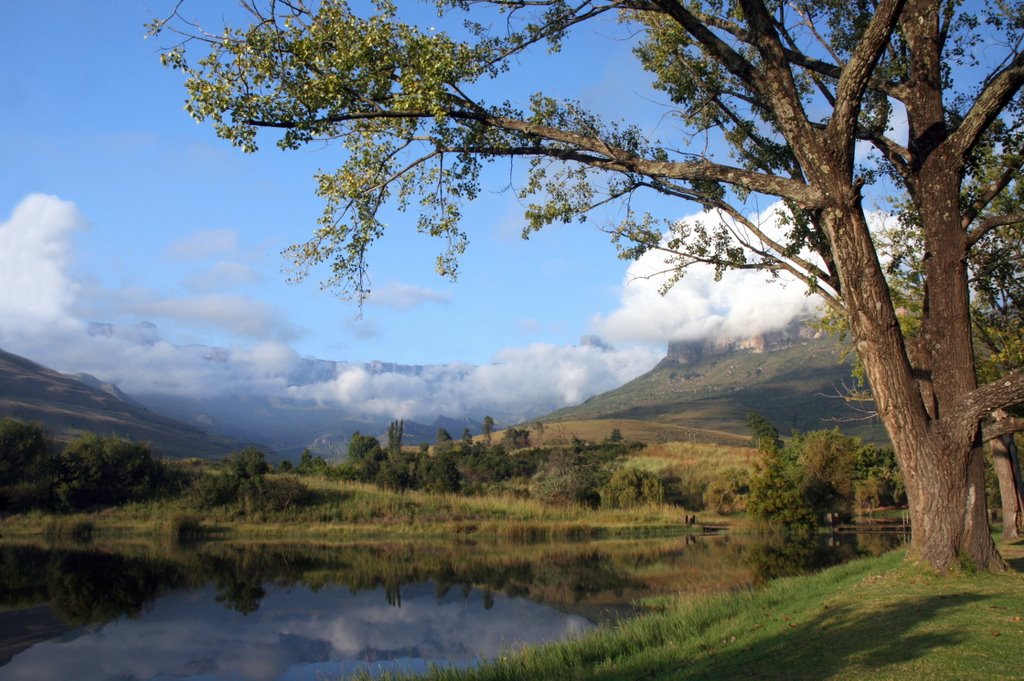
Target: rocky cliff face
690, 352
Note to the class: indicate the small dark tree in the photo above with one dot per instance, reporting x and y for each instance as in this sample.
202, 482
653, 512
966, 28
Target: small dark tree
764, 436
488, 429
443, 442
396, 430
515, 438
441, 473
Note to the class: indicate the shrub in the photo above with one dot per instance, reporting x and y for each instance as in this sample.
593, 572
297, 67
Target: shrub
571, 476
215, 489
283, 492
24, 452
726, 494
630, 487
185, 528
105, 471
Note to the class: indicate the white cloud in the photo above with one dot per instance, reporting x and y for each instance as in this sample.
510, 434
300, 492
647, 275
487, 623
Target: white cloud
39, 303
744, 303
398, 296
221, 276
519, 382
236, 314
297, 634
36, 292
205, 244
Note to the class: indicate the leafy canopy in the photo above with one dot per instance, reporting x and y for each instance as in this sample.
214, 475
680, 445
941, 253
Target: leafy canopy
808, 103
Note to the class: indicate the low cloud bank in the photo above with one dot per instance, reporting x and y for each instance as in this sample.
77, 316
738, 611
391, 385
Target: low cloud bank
743, 304
41, 305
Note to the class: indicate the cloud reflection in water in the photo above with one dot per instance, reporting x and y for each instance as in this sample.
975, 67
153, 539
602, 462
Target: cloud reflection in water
296, 634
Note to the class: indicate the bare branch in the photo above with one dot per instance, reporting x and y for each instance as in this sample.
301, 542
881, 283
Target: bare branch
994, 188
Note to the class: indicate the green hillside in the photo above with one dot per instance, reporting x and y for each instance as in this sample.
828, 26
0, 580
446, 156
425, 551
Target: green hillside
796, 388
67, 406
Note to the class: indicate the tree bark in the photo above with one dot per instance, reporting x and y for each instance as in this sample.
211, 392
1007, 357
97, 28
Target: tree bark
940, 455
1011, 487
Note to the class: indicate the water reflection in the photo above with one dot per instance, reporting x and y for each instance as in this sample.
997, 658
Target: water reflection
297, 633
232, 611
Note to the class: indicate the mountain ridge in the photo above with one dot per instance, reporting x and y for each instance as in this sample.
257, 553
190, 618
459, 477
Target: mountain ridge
67, 406
794, 378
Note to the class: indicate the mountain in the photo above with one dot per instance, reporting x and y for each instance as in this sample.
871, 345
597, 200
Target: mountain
70, 405
792, 377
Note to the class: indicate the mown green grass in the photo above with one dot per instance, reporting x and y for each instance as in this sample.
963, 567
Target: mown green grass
876, 618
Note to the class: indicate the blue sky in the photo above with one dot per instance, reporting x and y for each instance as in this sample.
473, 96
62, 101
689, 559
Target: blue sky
116, 207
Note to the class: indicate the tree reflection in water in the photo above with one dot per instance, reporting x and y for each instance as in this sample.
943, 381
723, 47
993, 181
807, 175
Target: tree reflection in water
331, 610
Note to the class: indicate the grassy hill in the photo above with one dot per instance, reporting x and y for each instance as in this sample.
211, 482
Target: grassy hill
796, 388
67, 406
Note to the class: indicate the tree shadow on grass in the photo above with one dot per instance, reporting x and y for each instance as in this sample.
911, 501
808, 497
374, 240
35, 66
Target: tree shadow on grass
836, 641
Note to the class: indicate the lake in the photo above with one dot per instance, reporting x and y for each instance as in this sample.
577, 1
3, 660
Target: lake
281, 612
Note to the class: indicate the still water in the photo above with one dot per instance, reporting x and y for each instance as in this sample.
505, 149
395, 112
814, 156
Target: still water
218, 611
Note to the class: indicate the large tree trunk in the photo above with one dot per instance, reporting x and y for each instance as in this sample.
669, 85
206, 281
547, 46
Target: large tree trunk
1011, 487
940, 456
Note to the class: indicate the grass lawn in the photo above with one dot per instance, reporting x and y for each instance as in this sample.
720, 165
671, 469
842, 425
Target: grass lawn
877, 618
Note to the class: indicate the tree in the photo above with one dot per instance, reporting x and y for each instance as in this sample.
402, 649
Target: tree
25, 452
105, 471
794, 91
396, 430
488, 427
764, 436
443, 441
538, 432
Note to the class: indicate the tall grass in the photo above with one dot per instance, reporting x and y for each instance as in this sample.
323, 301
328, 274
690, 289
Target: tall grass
358, 509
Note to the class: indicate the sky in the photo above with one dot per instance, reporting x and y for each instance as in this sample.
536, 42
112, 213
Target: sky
116, 207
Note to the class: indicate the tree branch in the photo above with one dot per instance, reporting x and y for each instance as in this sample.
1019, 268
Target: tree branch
1004, 392
591, 151
857, 73
991, 431
987, 225
998, 91
993, 190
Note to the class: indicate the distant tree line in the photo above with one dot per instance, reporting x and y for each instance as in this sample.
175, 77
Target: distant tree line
575, 472
94, 472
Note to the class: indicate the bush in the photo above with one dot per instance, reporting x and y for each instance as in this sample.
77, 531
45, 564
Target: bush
571, 476
24, 452
105, 471
185, 528
727, 493
776, 497
630, 487
283, 492
215, 489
